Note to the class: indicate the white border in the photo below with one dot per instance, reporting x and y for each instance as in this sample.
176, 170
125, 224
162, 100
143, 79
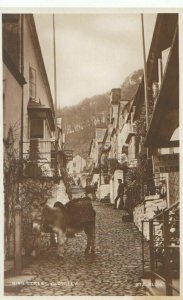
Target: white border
82, 6
94, 3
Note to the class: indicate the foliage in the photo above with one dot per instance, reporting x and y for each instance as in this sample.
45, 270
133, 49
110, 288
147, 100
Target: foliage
84, 114
132, 186
141, 126
131, 177
34, 195
11, 173
131, 84
141, 177
30, 193
135, 177
173, 227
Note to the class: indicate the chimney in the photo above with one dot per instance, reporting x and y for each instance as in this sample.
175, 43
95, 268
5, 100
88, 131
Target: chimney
115, 96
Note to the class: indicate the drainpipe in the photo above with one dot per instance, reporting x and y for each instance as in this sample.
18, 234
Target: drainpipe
22, 105
18, 208
145, 77
55, 75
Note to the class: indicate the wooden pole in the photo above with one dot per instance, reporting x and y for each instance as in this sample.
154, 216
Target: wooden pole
151, 244
55, 92
55, 75
22, 104
145, 72
167, 268
18, 240
18, 212
145, 77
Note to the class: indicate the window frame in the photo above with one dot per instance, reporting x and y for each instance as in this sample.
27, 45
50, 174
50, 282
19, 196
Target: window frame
32, 83
33, 120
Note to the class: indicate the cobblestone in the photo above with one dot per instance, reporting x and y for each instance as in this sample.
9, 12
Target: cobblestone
115, 269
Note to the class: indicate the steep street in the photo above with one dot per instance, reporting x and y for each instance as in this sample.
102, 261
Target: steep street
91, 115
114, 270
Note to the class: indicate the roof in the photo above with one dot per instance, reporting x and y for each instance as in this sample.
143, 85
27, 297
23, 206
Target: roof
165, 116
33, 30
12, 68
42, 111
127, 107
164, 24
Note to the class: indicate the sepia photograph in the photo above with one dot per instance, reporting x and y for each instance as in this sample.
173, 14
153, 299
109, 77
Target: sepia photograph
90, 102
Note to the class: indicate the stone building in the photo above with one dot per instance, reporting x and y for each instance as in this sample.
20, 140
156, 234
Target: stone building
30, 136
75, 167
155, 143
141, 146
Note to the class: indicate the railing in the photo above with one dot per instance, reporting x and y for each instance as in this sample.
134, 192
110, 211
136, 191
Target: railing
42, 154
164, 250
155, 185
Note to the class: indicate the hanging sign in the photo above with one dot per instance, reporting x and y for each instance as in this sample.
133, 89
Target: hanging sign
69, 154
166, 163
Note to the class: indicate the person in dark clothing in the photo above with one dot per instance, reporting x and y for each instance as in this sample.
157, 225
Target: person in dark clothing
120, 194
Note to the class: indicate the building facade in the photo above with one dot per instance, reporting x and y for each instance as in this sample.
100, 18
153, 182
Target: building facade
143, 151
75, 167
33, 139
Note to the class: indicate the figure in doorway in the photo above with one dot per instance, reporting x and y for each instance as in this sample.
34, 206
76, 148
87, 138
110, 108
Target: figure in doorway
162, 189
120, 194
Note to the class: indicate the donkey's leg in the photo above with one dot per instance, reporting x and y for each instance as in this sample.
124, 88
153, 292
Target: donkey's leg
93, 237
61, 242
88, 234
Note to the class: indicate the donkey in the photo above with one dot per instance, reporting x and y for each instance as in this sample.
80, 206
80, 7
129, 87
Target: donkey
66, 220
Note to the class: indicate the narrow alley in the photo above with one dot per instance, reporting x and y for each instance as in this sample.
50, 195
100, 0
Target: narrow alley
115, 269
90, 107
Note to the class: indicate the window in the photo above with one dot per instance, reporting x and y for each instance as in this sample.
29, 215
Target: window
74, 164
32, 83
36, 128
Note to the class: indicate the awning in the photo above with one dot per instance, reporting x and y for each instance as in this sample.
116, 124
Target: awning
165, 118
39, 111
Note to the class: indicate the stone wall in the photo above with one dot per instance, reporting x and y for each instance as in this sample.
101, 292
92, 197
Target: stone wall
146, 211
173, 181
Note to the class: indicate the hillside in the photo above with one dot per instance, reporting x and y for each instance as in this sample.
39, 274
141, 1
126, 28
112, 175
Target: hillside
79, 121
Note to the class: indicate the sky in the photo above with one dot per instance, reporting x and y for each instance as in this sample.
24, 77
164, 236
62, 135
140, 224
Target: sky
94, 52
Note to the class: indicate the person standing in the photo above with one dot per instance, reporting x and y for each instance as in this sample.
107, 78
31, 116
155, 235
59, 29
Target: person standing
120, 194
162, 189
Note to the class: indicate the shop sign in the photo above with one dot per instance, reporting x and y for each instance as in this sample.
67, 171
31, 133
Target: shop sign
132, 163
69, 154
166, 163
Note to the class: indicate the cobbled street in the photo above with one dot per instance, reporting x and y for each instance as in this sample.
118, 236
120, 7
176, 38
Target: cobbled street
115, 269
